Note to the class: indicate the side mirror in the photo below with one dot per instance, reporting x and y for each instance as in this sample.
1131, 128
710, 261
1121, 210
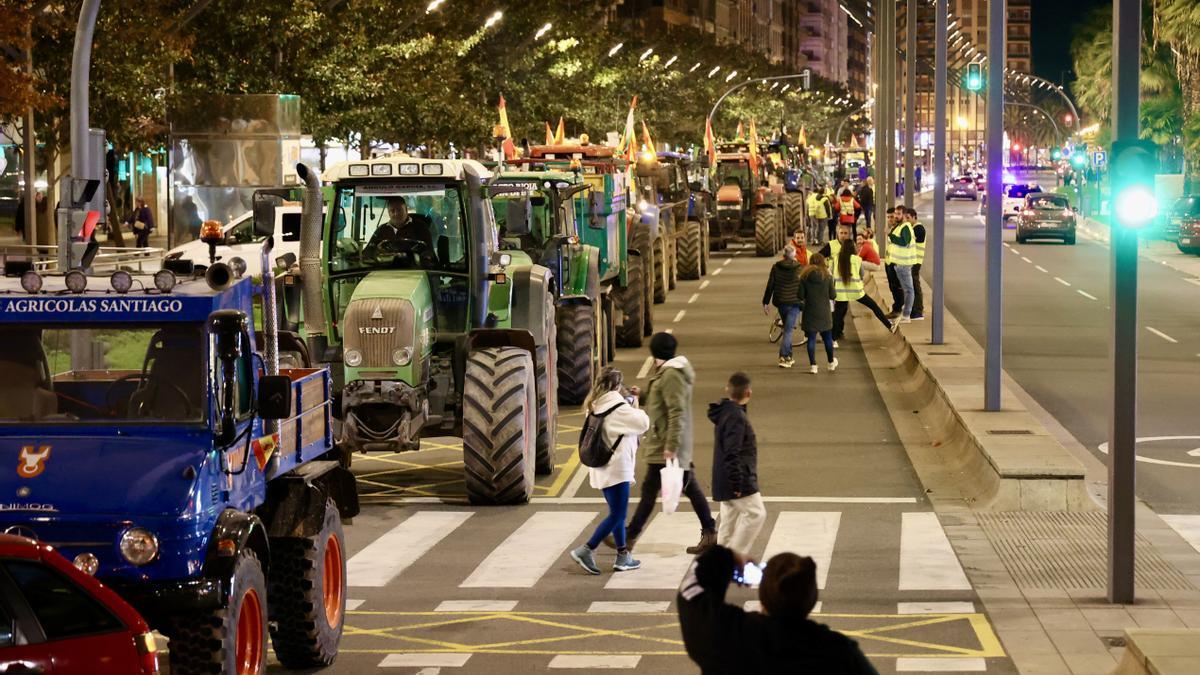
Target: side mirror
264, 213
274, 397
518, 218
1016, 208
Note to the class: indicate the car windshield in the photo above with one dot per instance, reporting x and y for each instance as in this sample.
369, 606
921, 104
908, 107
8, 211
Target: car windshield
391, 226
1049, 203
1019, 191
142, 373
733, 173
965, 180
1186, 206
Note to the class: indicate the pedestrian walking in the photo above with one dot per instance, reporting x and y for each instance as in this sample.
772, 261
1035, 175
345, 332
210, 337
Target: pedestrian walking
668, 402
831, 222
902, 254
818, 212
918, 308
848, 286
623, 424
735, 468
917, 173
783, 291
141, 220
866, 197
725, 638
816, 292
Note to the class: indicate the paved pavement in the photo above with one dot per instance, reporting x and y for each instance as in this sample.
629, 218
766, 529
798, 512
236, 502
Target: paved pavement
1057, 319
436, 584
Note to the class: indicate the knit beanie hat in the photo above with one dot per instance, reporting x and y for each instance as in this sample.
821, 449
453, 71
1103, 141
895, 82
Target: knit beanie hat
662, 346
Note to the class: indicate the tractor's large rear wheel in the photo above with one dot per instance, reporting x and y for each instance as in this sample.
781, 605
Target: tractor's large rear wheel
691, 251
661, 274
546, 368
705, 247
793, 212
764, 233
672, 263
499, 425
577, 350
632, 302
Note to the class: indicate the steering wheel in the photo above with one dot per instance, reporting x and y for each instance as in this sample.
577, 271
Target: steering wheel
403, 245
146, 382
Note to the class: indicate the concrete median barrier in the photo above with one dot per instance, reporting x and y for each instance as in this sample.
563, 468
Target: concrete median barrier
1000, 461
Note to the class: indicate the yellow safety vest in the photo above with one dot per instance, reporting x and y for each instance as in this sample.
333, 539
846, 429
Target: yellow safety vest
835, 247
847, 291
920, 245
902, 255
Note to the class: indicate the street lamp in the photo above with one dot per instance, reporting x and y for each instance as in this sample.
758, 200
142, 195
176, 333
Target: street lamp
693, 68
541, 31
671, 60
730, 76
646, 54
1067, 118
714, 71
616, 48
433, 5
493, 19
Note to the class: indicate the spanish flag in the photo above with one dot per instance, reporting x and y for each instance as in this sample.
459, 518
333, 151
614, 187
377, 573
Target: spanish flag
710, 142
549, 135
646, 140
741, 132
510, 149
753, 146
803, 140
560, 136
628, 142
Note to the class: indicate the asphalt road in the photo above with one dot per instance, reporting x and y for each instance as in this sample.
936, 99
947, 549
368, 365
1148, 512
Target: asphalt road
1057, 321
440, 586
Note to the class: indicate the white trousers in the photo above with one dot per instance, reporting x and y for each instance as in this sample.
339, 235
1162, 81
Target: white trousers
741, 521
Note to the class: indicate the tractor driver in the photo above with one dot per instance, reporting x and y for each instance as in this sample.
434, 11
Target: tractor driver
403, 225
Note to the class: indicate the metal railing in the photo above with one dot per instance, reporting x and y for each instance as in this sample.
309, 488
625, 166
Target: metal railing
107, 259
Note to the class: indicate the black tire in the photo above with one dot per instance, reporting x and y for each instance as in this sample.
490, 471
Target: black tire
632, 302
764, 233
205, 641
307, 618
691, 256
577, 348
1020, 239
661, 274
672, 263
648, 298
499, 426
546, 369
793, 212
705, 248
1070, 240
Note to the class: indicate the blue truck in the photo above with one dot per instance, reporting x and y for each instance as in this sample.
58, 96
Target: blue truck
151, 437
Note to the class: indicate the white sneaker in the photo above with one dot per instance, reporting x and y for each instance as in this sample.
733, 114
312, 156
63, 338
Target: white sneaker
813, 369
833, 365
905, 319
835, 344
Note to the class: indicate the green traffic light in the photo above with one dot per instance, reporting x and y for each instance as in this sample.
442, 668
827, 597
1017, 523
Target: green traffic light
1056, 154
1136, 206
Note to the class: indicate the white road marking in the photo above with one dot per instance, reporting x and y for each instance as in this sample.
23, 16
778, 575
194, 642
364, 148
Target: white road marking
927, 561
950, 664
1041, 269
377, 564
810, 533
756, 606
429, 671
1085, 294
1014, 251
1062, 281
935, 608
521, 559
695, 297
352, 605
646, 366
718, 271
418, 660
597, 661
1027, 260
669, 331
572, 488
1194, 281
662, 549
704, 284
1162, 335
1187, 527
679, 316
1007, 245
476, 606
727, 261
621, 607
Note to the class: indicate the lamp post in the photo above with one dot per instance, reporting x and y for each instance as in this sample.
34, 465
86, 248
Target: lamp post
993, 354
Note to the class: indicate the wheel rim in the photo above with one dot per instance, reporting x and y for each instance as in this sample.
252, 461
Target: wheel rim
333, 581
249, 648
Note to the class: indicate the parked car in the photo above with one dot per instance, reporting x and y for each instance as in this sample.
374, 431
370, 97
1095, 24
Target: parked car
1046, 216
1188, 235
56, 618
1171, 217
243, 242
963, 187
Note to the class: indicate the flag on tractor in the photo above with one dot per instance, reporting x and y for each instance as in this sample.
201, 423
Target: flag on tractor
710, 142
560, 136
549, 135
628, 142
803, 140
507, 145
754, 159
647, 142
741, 132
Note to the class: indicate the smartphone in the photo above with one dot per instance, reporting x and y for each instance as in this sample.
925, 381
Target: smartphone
750, 575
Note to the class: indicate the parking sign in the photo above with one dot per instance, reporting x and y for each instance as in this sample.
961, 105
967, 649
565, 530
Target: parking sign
1100, 157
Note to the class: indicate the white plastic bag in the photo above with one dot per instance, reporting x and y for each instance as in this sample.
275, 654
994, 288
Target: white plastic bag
672, 485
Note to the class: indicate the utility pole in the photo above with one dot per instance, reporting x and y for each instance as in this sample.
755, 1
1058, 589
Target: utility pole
81, 140
910, 104
29, 140
937, 328
1123, 254
997, 55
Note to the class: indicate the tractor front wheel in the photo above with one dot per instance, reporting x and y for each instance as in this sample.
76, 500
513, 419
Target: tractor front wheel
576, 344
499, 426
764, 233
691, 256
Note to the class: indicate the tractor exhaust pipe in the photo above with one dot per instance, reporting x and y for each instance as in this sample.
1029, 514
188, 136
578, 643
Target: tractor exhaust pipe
311, 227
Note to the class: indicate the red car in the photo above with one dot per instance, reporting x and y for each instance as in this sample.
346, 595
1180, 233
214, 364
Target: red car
58, 620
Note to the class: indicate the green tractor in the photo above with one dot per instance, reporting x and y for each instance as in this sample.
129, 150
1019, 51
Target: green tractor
537, 215
430, 329
682, 213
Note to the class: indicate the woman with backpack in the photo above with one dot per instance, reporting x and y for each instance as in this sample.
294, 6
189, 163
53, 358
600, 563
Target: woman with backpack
614, 416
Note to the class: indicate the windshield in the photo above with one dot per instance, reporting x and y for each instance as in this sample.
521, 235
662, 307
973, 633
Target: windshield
142, 373
1019, 191
1049, 203
965, 180
381, 226
733, 173
1186, 206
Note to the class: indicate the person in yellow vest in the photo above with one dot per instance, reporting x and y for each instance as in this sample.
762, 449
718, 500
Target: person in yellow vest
847, 268
818, 213
902, 255
918, 309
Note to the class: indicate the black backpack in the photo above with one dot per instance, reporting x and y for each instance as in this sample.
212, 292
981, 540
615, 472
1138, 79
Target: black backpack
593, 451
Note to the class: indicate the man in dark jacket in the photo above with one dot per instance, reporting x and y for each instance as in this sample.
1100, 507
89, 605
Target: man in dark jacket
783, 286
866, 197
735, 468
724, 638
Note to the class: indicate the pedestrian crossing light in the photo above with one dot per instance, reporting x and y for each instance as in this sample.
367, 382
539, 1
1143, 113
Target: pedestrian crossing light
974, 77
1132, 169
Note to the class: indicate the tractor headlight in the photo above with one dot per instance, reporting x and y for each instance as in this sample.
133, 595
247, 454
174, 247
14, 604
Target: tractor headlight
402, 356
353, 358
139, 545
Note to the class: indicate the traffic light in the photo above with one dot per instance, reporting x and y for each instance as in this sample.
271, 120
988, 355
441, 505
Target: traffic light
1056, 154
974, 76
1079, 159
1132, 168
